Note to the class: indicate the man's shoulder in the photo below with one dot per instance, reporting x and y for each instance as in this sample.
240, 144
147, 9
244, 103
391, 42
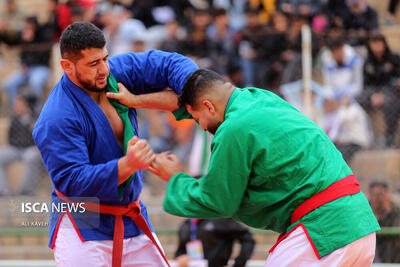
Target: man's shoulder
232, 128
58, 109
58, 102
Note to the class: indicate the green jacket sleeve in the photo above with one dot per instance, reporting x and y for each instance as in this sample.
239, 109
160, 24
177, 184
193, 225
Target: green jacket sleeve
220, 191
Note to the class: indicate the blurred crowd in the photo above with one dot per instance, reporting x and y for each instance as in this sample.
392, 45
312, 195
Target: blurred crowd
356, 76
251, 42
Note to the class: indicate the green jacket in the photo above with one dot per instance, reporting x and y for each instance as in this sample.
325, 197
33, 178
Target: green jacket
266, 159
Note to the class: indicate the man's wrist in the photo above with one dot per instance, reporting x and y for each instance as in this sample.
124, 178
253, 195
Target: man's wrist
125, 170
133, 101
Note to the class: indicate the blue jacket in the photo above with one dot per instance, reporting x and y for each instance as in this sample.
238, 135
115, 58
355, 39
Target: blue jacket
78, 145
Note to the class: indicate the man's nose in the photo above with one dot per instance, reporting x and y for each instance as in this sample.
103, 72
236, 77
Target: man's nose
103, 68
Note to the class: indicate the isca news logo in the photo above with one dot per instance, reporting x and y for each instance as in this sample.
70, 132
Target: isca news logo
39, 207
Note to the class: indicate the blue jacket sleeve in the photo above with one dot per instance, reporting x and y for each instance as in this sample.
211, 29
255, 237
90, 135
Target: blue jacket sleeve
152, 71
64, 151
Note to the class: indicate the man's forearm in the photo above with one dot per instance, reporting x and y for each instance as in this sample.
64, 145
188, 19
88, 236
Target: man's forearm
164, 100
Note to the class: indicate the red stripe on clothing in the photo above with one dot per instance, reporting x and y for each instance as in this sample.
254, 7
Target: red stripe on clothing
75, 226
283, 236
53, 242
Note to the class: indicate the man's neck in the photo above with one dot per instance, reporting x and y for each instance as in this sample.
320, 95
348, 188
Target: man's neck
229, 90
98, 97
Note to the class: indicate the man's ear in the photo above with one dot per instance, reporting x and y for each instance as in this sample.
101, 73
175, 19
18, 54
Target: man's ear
207, 104
67, 66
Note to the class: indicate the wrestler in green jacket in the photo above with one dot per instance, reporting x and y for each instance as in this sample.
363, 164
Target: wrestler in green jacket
267, 158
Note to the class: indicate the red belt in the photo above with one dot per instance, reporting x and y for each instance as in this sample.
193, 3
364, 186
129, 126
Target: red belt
344, 187
132, 211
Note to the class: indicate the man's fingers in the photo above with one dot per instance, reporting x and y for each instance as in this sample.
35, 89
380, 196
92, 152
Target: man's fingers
162, 157
142, 148
113, 95
173, 157
140, 144
153, 170
133, 141
149, 156
121, 87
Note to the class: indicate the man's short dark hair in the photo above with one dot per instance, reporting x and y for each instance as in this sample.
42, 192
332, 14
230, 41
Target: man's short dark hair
219, 12
79, 36
335, 42
196, 83
383, 185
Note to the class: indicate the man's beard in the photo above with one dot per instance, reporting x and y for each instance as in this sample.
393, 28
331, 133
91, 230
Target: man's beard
90, 86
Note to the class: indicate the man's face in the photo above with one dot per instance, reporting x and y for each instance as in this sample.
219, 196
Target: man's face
207, 119
379, 195
338, 54
91, 71
377, 46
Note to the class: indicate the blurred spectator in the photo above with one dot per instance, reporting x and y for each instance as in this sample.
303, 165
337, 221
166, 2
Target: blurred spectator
278, 52
265, 8
217, 237
141, 10
320, 23
121, 31
388, 215
182, 137
300, 7
201, 19
236, 10
11, 20
156, 130
357, 19
235, 75
69, 10
197, 44
290, 58
346, 124
200, 152
342, 69
294, 94
139, 45
169, 31
392, 11
250, 46
21, 147
34, 59
51, 23
359, 16
153, 12
108, 5
334, 8
222, 35
382, 83
174, 35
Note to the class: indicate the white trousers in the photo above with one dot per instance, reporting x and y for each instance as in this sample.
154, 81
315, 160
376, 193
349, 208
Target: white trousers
70, 251
296, 250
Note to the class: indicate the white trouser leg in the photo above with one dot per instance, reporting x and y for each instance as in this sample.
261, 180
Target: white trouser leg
70, 251
296, 250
